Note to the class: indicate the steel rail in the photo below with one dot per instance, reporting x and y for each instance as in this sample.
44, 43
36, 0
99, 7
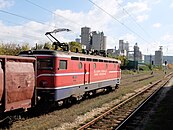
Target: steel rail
117, 106
122, 124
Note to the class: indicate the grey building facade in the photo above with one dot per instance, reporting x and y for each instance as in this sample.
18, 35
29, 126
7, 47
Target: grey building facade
85, 37
98, 41
159, 57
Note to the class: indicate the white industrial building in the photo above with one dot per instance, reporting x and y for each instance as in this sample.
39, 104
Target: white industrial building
98, 41
123, 48
93, 40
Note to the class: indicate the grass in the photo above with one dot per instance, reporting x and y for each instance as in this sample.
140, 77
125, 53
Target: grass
68, 115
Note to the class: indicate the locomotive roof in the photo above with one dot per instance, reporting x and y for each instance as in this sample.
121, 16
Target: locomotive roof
65, 54
10, 57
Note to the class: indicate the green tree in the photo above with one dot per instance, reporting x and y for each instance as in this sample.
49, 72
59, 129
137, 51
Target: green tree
47, 45
123, 59
37, 46
75, 46
9, 49
25, 47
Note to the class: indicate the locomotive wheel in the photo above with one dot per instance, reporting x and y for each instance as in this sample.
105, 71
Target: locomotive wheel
69, 101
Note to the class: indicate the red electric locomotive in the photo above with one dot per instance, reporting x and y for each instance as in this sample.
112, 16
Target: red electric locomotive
62, 75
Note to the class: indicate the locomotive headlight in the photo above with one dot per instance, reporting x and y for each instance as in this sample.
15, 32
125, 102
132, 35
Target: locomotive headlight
43, 83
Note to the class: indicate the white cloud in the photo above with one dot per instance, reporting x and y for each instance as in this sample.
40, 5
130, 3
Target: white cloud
23, 33
171, 5
137, 7
157, 25
140, 9
6, 3
168, 38
167, 42
94, 18
97, 19
128, 37
142, 18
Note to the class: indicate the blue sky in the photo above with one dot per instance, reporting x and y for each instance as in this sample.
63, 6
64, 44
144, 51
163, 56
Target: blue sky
146, 22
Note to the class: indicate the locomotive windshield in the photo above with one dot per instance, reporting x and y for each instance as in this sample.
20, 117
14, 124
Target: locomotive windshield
45, 64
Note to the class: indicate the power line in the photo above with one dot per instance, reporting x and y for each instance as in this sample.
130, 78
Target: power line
18, 36
52, 12
29, 19
135, 21
20, 16
23, 17
117, 20
43, 8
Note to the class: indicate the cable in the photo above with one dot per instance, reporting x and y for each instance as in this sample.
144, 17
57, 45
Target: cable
43, 8
17, 36
20, 16
29, 19
51, 12
135, 21
118, 20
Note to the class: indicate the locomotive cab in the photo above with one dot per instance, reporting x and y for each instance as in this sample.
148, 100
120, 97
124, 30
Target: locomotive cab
45, 67
45, 78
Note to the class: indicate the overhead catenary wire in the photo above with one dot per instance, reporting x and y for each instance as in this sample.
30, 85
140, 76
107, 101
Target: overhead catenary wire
47, 10
29, 19
61, 16
52, 12
23, 17
118, 20
20, 16
68, 19
132, 17
18, 25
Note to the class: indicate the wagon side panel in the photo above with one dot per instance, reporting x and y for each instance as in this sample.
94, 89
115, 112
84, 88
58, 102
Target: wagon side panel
20, 82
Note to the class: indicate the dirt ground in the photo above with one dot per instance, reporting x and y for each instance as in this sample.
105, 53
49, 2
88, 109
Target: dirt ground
162, 117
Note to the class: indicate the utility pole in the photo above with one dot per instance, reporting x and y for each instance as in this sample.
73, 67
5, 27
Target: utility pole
150, 62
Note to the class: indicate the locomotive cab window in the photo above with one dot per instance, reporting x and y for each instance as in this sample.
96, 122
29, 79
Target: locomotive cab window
63, 64
45, 64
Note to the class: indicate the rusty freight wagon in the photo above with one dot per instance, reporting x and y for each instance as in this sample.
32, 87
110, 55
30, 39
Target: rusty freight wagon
17, 83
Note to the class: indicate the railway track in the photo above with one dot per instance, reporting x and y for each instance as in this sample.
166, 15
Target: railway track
121, 115
59, 117
126, 80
